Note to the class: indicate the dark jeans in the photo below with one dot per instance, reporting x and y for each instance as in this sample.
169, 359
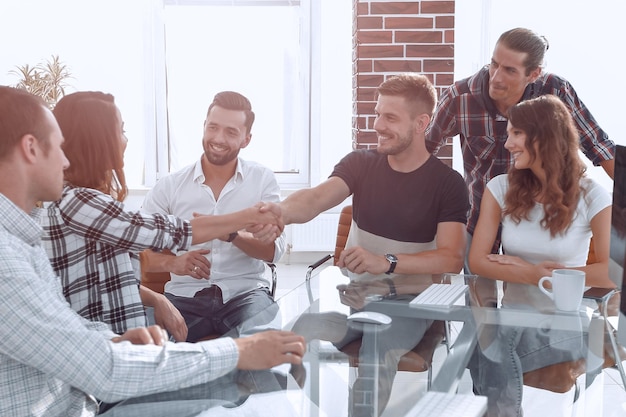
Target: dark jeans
501, 359
206, 314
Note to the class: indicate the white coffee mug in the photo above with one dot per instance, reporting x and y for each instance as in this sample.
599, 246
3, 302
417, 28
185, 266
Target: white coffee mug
568, 286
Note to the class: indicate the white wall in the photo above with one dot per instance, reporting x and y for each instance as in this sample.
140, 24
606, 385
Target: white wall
587, 41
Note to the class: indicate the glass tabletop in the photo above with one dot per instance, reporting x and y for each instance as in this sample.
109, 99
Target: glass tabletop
338, 378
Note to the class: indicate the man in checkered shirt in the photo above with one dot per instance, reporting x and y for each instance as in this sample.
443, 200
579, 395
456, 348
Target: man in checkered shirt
475, 108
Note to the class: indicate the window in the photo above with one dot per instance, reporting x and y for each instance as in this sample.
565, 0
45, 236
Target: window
258, 48
101, 55
164, 60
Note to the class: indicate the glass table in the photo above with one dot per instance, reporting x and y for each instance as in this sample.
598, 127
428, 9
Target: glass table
326, 383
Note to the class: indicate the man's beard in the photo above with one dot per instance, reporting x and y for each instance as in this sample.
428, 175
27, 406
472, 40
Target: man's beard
221, 159
402, 143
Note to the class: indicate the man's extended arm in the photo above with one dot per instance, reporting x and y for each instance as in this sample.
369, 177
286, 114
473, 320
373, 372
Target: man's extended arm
304, 205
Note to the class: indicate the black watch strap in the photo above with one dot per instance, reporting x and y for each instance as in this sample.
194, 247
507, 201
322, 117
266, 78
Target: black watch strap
393, 260
232, 236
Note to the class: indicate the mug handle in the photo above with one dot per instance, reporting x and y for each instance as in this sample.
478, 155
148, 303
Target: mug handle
544, 289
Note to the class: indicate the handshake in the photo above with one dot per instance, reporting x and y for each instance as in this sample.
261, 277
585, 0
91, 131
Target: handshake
265, 221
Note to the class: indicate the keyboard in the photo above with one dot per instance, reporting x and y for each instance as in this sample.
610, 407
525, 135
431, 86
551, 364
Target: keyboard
441, 404
439, 295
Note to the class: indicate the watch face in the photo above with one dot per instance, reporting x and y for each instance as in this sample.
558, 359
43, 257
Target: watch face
391, 258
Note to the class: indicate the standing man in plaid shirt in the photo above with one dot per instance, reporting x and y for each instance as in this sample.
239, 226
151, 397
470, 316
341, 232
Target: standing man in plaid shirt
474, 108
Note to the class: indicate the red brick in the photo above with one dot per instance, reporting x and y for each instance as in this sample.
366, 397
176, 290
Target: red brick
444, 80
378, 36
369, 80
439, 65
448, 36
403, 7
386, 51
438, 7
446, 22
441, 51
366, 93
408, 23
361, 122
418, 36
367, 137
366, 22
362, 8
365, 108
394, 65
364, 65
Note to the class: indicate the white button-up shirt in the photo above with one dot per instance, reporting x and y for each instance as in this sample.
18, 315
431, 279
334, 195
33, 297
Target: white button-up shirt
183, 193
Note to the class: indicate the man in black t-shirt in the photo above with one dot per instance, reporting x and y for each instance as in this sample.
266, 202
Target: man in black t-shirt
409, 216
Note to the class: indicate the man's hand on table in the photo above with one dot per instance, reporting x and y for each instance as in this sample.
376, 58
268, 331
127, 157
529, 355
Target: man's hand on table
269, 348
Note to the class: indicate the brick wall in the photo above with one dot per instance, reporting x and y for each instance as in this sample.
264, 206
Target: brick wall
391, 37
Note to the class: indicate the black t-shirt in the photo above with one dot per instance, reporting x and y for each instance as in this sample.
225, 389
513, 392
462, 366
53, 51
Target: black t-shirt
406, 207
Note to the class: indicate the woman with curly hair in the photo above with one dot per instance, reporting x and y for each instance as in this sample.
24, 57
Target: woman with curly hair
92, 240
548, 210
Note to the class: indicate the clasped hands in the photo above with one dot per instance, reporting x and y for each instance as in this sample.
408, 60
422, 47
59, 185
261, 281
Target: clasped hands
268, 223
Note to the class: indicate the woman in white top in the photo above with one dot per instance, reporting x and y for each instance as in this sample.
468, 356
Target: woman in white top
548, 210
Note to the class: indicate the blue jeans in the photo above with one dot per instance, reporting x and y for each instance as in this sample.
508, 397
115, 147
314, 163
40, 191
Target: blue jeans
501, 358
206, 314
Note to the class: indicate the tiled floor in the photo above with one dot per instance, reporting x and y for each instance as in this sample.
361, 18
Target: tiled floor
605, 398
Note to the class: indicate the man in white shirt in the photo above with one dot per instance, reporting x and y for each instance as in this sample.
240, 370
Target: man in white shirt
220, 286
54, 362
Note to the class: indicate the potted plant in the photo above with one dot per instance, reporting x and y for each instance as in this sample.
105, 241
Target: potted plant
47, 81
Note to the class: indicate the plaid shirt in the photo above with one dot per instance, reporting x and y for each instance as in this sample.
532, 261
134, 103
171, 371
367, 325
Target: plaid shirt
91, 240
466, 109
54, 362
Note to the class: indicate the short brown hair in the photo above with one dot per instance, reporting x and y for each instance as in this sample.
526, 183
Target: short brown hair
21, 113
231, 100
416, 89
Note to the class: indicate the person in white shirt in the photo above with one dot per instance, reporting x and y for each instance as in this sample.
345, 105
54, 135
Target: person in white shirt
219, 286
549, 210
53, 362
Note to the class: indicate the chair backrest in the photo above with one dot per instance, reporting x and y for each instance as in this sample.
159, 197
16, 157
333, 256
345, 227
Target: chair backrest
154, 280
343, 229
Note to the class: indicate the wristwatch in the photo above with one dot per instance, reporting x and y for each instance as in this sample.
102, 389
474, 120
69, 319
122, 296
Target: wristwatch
232, 236
393, 260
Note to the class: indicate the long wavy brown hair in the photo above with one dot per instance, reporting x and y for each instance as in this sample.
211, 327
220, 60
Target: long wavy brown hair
551, 133
89, 122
